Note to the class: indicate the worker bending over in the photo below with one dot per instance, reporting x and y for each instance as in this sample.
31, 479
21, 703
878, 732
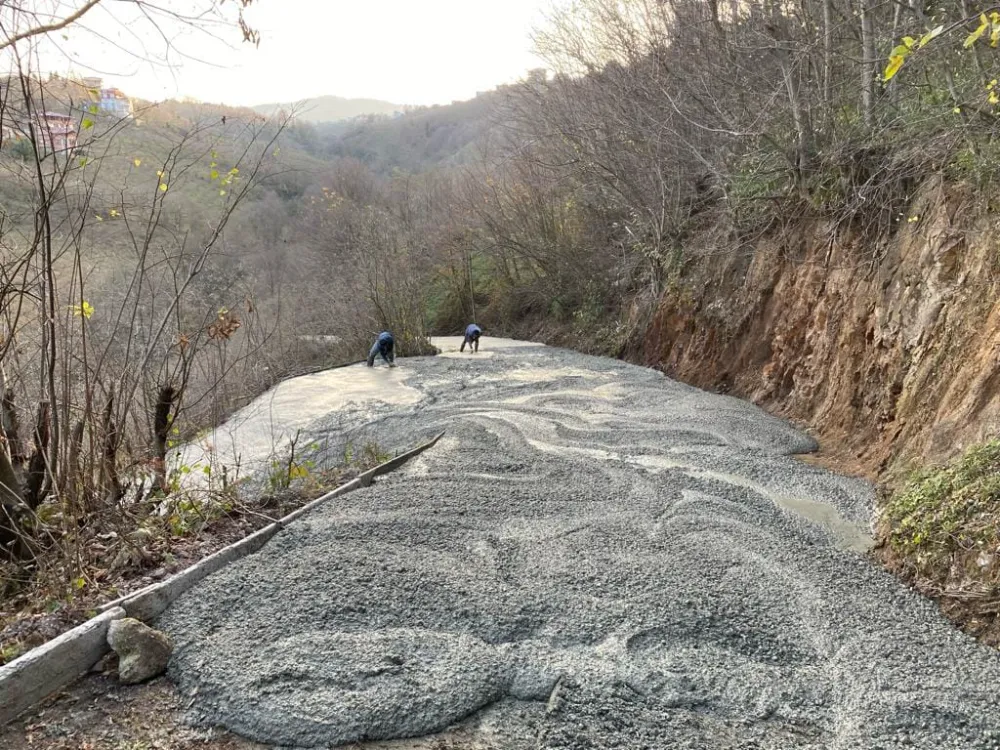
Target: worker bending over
472, 334
385, 346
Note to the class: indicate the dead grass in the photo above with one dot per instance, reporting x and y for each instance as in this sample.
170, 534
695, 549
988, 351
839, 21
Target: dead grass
971, 602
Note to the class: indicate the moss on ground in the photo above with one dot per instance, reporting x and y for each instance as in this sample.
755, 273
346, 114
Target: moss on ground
942, 515
940, 532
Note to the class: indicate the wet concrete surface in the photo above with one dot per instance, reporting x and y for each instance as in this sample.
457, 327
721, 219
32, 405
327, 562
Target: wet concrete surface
594, 556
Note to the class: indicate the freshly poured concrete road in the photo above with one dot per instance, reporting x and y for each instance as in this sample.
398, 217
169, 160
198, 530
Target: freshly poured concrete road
593, 557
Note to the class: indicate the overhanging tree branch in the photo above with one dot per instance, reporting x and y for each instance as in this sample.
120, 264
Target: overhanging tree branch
50, 27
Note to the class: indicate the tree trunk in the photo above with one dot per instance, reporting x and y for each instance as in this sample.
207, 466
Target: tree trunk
73, 470
37, 466
867, 65
12, 428
109, 453
11, 539
803, 139
161, 429
827, 48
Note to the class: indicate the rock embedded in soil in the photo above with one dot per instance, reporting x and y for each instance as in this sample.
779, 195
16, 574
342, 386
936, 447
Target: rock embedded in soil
143, 652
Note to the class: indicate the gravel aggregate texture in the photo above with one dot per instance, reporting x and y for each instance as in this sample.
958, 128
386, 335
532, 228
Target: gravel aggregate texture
594, 556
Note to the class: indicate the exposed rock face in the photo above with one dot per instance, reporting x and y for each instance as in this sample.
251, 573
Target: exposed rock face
890, 352
143, 652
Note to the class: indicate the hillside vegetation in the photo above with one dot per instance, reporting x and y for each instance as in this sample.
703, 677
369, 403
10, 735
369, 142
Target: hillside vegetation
738, 193
156, 276
792, 203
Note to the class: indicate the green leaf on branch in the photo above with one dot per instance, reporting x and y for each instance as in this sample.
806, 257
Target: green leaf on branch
932, 34
895, 63
984, 23
83, 310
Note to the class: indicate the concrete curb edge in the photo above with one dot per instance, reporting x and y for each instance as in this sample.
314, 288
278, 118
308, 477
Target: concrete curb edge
61, 661
53, 665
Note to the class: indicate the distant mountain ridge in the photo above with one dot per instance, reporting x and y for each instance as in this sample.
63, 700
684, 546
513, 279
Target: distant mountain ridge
416, 141
332, 108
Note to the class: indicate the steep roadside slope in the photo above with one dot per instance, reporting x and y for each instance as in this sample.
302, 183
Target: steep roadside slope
891, 354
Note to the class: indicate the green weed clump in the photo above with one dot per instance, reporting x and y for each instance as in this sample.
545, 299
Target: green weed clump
949, 514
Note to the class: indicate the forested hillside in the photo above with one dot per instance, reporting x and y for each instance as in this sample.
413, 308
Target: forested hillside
172, 266
161, 272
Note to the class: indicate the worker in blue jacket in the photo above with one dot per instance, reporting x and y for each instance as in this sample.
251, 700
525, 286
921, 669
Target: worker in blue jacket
472, 334
385, 346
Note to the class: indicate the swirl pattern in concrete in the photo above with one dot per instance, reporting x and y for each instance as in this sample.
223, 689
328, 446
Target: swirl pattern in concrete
594, 556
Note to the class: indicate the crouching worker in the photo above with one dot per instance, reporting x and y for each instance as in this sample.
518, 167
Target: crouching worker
472, 334
385, 346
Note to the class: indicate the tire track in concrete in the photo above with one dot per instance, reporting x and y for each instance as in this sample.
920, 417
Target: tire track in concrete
593, 557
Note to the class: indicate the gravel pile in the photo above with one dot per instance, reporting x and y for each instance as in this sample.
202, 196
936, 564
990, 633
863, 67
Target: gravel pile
593, 557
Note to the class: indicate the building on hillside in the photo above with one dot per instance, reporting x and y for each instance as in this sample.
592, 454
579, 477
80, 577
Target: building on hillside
56, 131
114, 102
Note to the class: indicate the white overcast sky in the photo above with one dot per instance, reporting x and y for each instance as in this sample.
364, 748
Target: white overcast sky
403, 51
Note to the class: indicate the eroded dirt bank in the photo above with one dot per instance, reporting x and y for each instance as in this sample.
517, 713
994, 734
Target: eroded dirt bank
891, 353
594, 556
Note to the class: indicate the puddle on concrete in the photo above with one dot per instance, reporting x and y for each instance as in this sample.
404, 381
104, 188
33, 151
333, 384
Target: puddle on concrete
541, 427
456, 354
543, 374
546, 375
607, 392
572, 451
845, 534
268, 424
449, 344
848, 535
